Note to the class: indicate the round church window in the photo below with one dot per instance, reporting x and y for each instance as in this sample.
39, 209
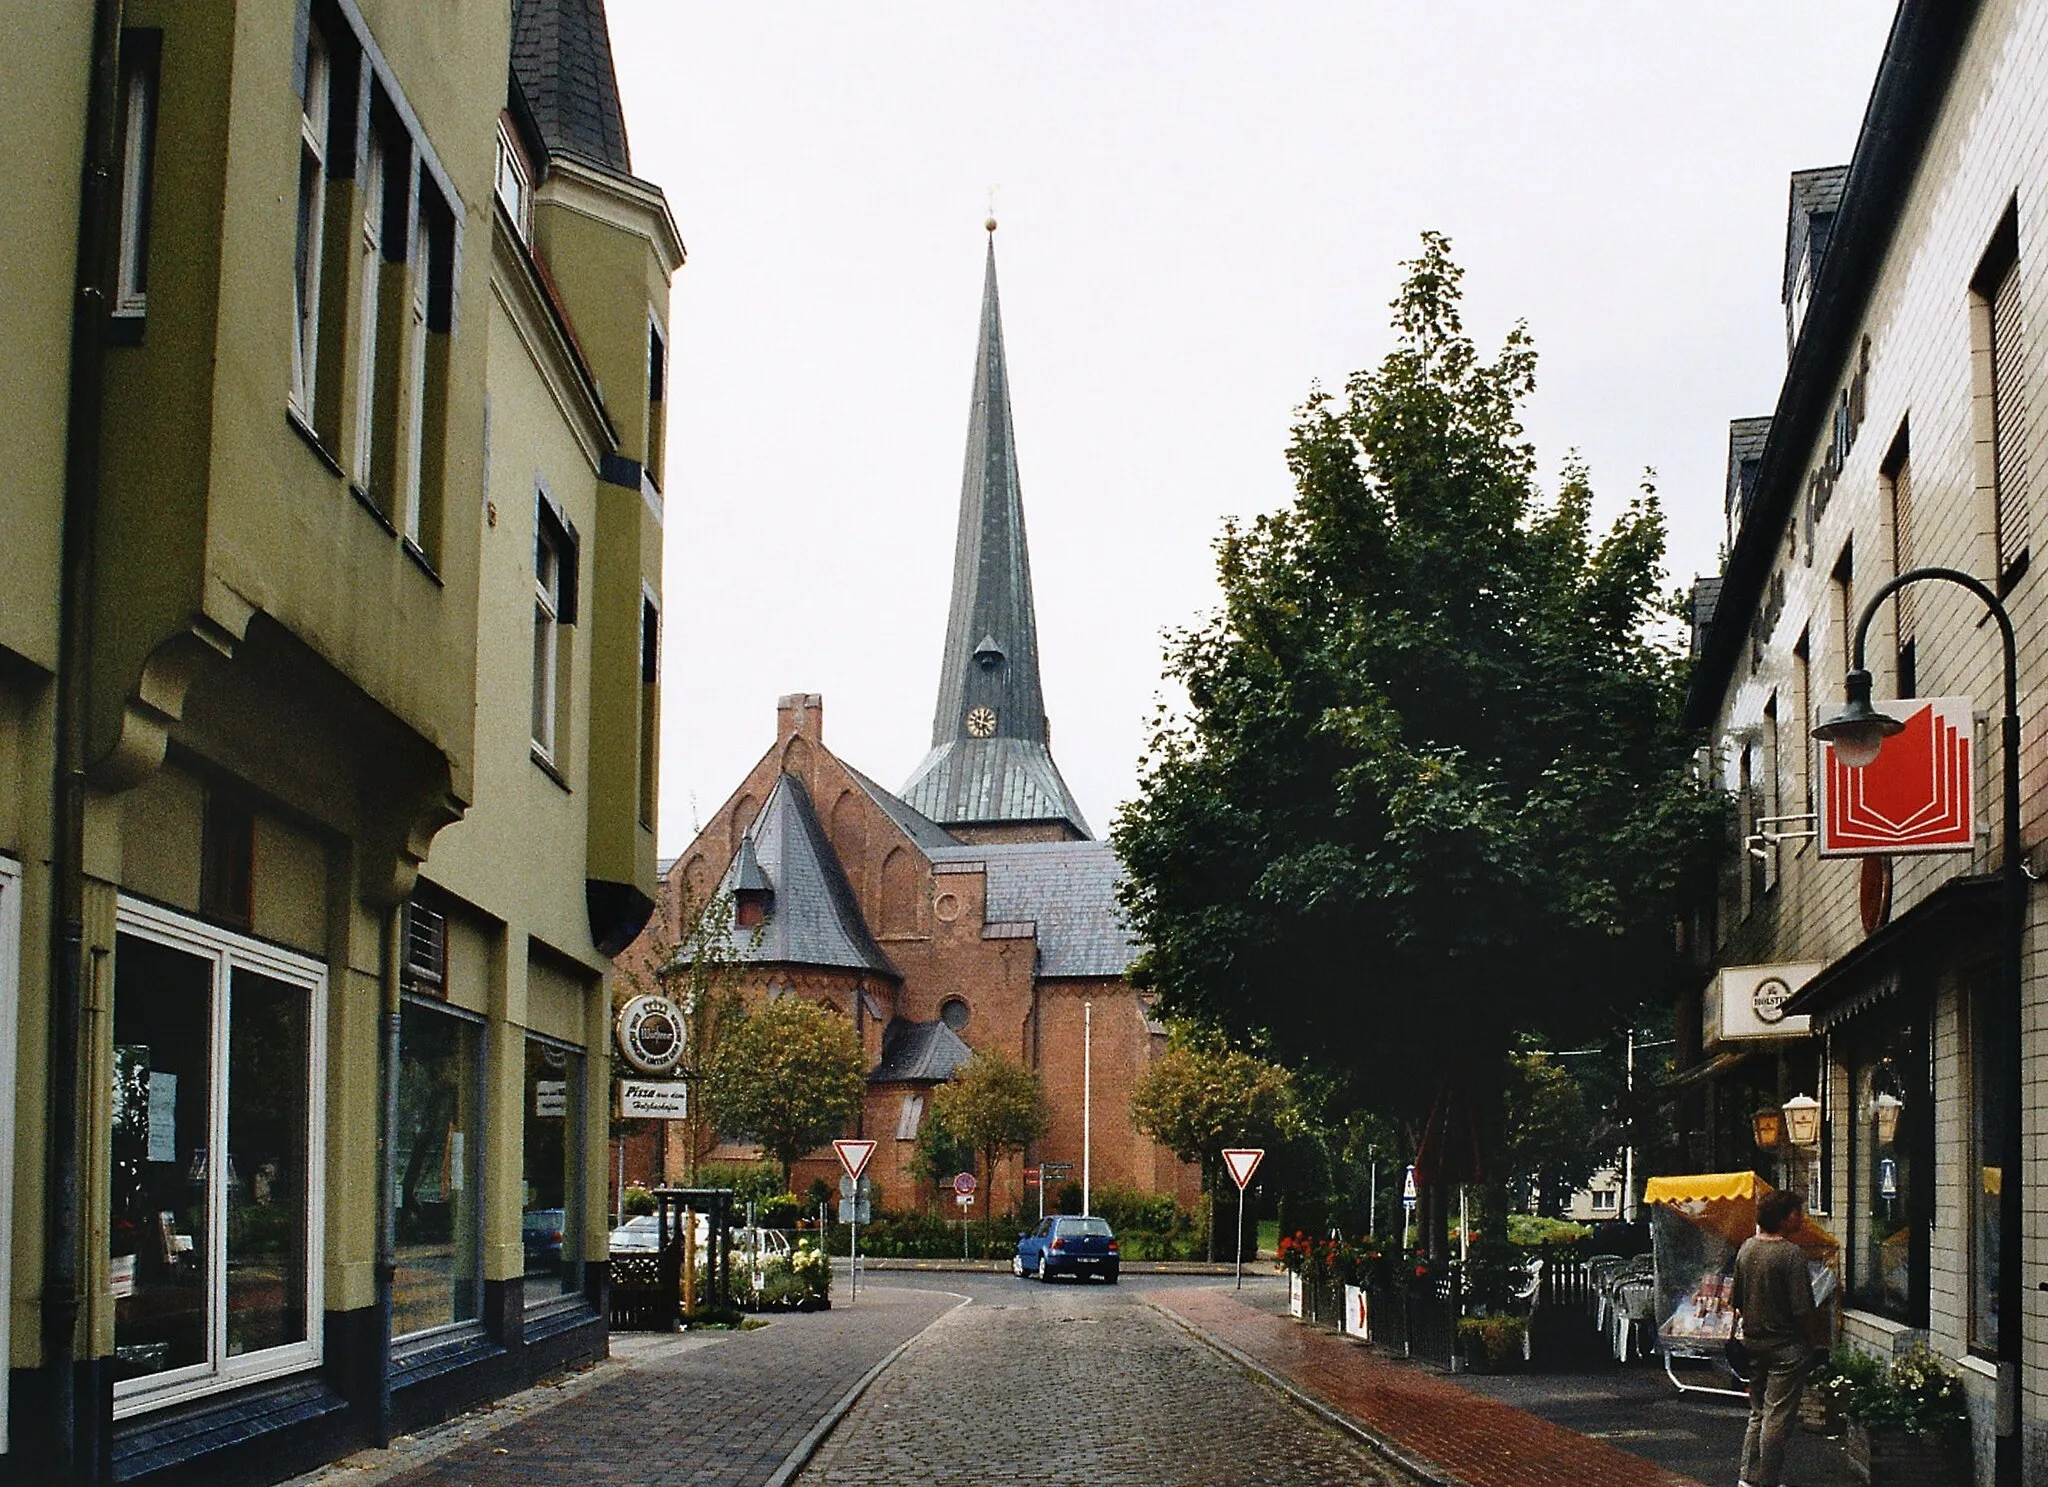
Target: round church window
947, 906
954, 1014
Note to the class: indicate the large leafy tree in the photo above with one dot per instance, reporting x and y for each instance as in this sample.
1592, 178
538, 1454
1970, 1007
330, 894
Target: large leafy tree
991, 1105
1202, 1096
1429, 787
788, 1075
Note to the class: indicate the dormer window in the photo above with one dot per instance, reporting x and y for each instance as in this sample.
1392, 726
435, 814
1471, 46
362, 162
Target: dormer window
514, 183
752, 894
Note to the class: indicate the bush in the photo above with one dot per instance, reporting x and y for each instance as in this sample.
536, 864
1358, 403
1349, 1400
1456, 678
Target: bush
798, 1281
1918, 1394
1067, 1199
1148, 1226
1529, 1229
1493, 1344
638, 1202
756, 1181
780, 1212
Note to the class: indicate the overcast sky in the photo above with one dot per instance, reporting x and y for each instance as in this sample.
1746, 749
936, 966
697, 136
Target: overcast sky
1203, 207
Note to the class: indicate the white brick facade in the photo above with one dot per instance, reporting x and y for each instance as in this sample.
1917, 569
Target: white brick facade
1926, 405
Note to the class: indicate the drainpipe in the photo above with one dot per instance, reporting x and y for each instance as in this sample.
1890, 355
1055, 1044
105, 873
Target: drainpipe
387, 1165
73, 1456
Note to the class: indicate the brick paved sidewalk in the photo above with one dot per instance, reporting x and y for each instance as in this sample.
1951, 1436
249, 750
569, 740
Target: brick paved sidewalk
1423, 1417
726, 1415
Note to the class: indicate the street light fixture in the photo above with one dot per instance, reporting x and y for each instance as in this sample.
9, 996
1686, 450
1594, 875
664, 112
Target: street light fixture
1858, 732
1802, 1120
1856, 729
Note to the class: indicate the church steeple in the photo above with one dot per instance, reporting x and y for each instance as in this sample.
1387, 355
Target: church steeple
991, 763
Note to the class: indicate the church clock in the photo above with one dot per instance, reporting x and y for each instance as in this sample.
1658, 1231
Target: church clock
981, 721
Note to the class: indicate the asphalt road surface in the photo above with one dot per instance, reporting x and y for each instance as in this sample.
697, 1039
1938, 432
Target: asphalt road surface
1076, 1381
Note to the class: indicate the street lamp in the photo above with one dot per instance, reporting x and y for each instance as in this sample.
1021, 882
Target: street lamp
1858, 731
1802, 1120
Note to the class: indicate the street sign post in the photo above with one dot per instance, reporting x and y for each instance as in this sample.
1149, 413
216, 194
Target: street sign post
854, 1156
1407, 1204
1242, 1161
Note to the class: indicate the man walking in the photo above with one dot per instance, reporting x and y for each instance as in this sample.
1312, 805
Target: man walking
1781, 1329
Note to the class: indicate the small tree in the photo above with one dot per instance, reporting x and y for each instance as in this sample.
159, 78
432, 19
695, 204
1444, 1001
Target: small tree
1201, 1096
789, 1076
1550, 1137
991, 1106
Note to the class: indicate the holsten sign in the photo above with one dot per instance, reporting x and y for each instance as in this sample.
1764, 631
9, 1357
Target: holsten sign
1918, 795
1746, 1002
654, 1099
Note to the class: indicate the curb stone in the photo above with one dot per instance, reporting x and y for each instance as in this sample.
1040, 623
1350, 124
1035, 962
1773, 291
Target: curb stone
1427, 1472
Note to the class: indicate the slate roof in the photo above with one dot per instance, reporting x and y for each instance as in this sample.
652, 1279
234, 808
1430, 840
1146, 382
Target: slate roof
1816, 196
1068, 889
562, 66
813, 918
919, 1053
991, 655
966, 780
913, 823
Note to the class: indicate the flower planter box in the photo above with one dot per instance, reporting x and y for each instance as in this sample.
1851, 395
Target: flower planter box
1819, 1414
1892, 1458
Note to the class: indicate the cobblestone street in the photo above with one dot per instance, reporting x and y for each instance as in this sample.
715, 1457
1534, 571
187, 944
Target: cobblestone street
1075, 1382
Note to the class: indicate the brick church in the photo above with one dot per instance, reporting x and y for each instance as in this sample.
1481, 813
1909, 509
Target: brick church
974, 909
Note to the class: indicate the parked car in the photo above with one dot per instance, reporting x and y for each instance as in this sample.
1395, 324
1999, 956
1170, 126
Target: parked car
637, 1236
540, 1232
1066, 1245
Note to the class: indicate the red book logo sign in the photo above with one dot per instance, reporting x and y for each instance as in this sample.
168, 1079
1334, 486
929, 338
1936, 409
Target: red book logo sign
1919, 795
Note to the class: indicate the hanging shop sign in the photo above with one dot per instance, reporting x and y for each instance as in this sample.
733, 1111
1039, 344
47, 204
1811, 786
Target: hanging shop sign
1918, 795
651, 1035
654, 1099
1748, 1002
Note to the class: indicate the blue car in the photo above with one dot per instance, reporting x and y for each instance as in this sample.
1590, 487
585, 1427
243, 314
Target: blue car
1065, 1245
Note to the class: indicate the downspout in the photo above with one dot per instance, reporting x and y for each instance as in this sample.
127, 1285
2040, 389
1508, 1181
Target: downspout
73, 1456
387, 1165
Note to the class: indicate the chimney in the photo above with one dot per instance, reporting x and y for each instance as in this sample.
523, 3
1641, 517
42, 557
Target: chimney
802, 714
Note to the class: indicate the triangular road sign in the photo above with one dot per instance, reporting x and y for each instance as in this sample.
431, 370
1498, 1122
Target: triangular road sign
1243, 1161
854, 1156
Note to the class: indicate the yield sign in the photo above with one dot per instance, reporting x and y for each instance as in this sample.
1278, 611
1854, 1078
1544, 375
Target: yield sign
854, 1156
1243, 1161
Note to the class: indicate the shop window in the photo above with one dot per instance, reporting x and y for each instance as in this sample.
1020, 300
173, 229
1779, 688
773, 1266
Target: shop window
440, 1084
1987, 1168
10, 972
214, 1199
1891, 1159
551, 1213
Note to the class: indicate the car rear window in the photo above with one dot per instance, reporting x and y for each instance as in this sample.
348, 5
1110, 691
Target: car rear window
1084, 1226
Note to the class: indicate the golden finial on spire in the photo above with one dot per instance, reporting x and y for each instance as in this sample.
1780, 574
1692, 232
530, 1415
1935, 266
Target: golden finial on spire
991, 223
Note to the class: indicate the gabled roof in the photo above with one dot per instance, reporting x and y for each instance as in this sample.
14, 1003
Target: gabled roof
989, 670
812, 917
1068, 890
562, 65
919, 1053
913, 823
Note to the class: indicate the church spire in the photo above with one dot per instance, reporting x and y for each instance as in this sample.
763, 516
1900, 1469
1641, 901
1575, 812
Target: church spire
991, 761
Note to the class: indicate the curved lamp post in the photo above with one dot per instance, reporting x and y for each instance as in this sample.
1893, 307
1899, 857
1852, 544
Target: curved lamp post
1858, 731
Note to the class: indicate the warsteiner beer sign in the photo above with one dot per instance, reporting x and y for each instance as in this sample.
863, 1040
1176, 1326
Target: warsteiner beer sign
651, 1034
1918, 795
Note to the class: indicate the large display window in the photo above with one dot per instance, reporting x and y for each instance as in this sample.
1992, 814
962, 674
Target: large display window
440, 1086
10, 1025
551, 1224
215, 1191
1890, 1114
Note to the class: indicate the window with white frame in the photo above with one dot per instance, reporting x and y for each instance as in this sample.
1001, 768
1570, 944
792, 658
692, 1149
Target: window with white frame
514, 185
910, 1117
554, 609
215, 1195
140, 54
369, 453
313, 122
1605, 1200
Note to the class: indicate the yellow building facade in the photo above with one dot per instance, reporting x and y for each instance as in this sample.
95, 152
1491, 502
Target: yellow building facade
329, 626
